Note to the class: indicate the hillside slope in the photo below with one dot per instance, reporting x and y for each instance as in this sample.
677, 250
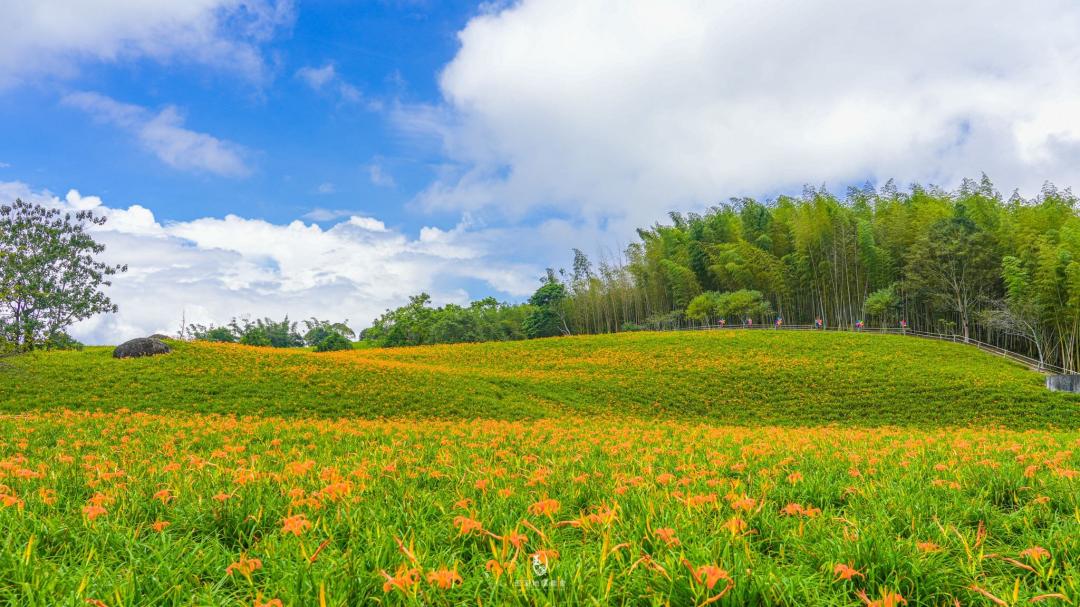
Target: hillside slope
738, 377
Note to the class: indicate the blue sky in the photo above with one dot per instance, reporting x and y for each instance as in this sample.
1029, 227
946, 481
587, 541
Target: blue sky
330, 159
299, 138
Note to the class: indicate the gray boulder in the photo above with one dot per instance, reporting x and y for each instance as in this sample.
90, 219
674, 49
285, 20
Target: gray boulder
159, 336
141, 346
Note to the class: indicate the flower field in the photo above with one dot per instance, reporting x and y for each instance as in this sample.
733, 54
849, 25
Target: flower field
733, 377
129, 508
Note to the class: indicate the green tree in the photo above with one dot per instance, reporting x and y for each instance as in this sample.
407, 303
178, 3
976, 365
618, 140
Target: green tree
333, 342
706, 307
548, 318
319, 330
881, 305
49, 277
955, 266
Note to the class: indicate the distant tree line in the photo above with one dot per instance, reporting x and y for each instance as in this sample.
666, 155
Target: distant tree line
322, 335
969, 262
1004, 270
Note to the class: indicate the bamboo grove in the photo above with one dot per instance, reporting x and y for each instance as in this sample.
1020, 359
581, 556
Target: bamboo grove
971, 262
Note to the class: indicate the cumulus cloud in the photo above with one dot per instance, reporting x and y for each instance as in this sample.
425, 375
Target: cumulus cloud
164, 135
211, 269
54, 36
627, 109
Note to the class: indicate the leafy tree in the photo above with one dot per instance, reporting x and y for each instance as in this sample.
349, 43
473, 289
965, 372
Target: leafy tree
548, 318
737, 305
267, 332
49, 277
212, 333
332, 342
319, 330
706, 307
256, 336
955, 266
881, 305
745, 303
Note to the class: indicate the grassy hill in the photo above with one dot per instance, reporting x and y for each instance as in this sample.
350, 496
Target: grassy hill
734, 377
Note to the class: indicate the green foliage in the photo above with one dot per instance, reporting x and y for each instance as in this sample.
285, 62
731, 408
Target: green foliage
212, 333
49, 278
319, 330
736, 306
705, 307
333, 342
62, 341
542, 322
417, 323
256, 336
1002, 271
882, 305
268, 332
722, 377
548, 316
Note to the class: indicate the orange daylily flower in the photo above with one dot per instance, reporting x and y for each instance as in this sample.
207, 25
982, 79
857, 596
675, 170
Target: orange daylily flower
244, 566
160, 526
403, 579
517, 540
708, 575
444, 578
735, 525
467, 525
888, 599
93, 511
296, 524
667, 535
497, 569
1035, 553
845, 572
545, 507
544, 556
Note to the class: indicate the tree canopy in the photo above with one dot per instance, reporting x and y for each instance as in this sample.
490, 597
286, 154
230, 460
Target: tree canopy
50, 277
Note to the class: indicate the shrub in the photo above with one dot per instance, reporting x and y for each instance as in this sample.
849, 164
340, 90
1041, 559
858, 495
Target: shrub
62, 341
219, 334
333, 342
256, 336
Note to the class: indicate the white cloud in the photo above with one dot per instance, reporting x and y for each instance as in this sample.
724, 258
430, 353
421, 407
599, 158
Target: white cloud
321, 214
54, 36
326, 188
624, 110
380, 177
164, 135
211, 269
327, 80
317, 77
